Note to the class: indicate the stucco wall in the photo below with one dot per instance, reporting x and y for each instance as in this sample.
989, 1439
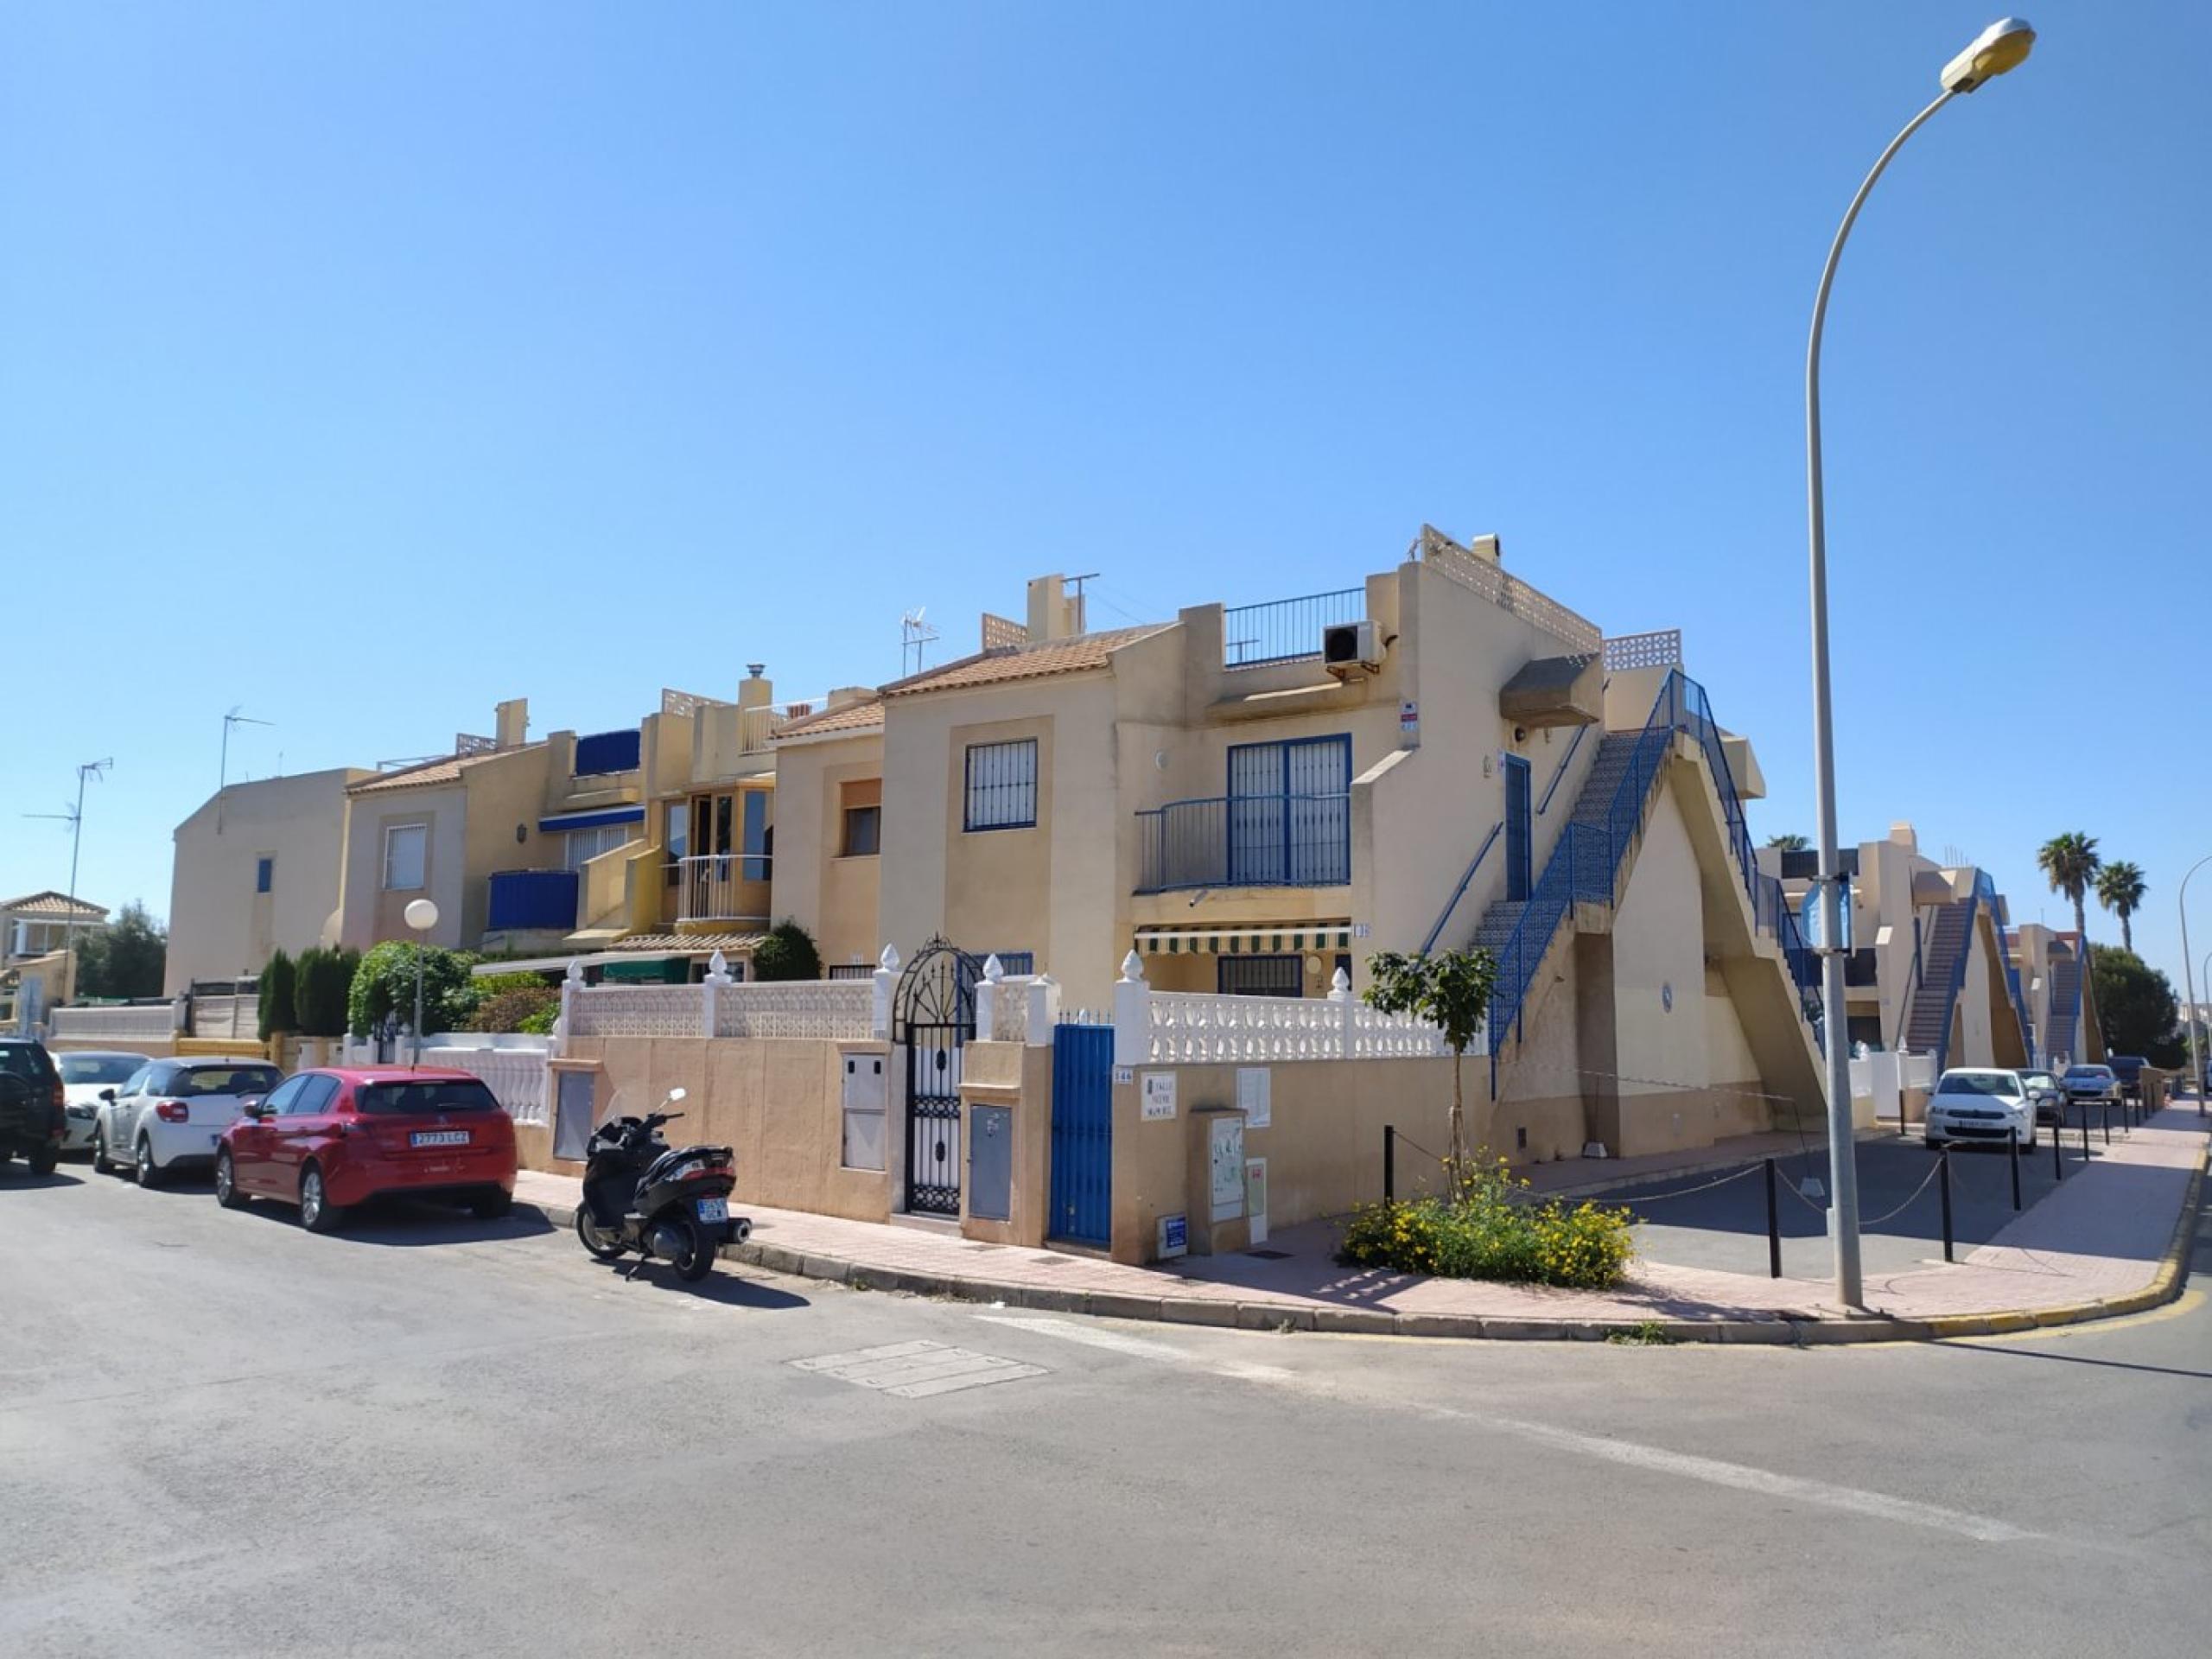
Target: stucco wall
218, 925
833, 897
371, 914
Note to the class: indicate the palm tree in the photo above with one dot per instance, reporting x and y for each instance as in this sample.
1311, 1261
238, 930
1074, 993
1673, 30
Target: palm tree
2070, 861
1792, 843
2120, 888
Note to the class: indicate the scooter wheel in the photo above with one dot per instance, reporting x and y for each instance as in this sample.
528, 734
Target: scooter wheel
601, 1246
698, 1258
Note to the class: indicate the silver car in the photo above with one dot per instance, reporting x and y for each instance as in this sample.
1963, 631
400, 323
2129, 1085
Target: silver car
84, 1073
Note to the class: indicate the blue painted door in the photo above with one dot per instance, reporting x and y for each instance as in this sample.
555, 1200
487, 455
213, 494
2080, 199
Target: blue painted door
1518, 839
1083, 1134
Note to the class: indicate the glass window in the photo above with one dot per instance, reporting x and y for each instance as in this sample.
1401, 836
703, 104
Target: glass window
584, 845
863, 832
137, 1083
25, 1060
279, 1100
198, 1082
98, 1068
411, 1099
1290, 813
1283, 975
1001, 786
406, 857
677, 823
264, 873
314, 1098
758, 837
1977, 1082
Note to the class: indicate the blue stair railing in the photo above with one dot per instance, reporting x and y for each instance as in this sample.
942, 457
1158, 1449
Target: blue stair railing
1565, 761
1460, 892
1983, 892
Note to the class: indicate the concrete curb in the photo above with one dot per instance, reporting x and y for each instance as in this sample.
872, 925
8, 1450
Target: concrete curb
1802, 1329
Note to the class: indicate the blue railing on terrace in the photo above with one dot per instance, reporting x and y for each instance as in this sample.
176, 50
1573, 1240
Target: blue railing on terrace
532, 898
604, 751
1459, 892
1284, 630
1585, 862
1245, 841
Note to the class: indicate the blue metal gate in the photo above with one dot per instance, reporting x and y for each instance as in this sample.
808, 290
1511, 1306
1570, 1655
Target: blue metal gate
1083, 1134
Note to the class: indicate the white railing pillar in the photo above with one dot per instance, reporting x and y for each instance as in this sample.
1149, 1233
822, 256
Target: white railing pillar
986, 999
1340, 993
717, 976
1132, 1014
571, 982
1044, 1012
886, 980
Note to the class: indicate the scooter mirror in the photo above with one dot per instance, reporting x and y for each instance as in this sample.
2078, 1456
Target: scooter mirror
677, 1094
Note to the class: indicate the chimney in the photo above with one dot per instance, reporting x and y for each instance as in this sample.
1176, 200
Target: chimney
1488, 549
755, 690
844, 696
1053, 613
511, 728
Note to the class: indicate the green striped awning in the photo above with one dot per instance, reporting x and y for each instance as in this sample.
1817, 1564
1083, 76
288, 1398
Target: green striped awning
1249, 939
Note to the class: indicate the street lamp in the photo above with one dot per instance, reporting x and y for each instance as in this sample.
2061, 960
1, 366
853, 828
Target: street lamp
2002, 46
2189, 980
421, 916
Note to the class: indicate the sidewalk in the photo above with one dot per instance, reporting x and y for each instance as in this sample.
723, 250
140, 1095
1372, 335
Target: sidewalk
2110, 1240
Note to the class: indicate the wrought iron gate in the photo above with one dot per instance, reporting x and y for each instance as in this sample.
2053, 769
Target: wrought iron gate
1083, 1134
935, 1017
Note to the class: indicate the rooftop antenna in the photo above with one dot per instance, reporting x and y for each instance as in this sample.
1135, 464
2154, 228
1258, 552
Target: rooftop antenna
74, 817
1082, 616
223, 781
916, 636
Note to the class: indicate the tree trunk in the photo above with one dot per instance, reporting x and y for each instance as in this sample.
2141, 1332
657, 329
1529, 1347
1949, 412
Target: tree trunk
2127, 934
1457, 1143
2080, 922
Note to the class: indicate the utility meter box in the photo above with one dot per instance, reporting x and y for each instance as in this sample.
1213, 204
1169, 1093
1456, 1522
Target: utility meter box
865, 1098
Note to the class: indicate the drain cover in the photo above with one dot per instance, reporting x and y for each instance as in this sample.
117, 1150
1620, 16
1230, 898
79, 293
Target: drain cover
915, 1370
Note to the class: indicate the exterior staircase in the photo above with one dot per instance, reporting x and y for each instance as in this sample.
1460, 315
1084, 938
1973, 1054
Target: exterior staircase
1928, 1022
2065, 1011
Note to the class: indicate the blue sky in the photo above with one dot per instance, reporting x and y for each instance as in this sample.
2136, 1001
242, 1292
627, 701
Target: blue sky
351, 358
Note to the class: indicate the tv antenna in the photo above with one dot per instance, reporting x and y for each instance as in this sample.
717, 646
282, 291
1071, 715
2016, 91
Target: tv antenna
915, 637
223, 780
74, 817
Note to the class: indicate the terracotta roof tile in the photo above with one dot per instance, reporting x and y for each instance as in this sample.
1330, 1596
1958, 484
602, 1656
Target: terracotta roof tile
1084, 650
865, 716
689, 944
447, 769
51, 903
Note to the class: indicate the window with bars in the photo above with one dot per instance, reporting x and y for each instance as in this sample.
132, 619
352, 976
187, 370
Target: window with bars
1001, 786
584, 845
1283, 975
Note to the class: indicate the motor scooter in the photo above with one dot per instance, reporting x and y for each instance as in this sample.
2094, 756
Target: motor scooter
641, 1194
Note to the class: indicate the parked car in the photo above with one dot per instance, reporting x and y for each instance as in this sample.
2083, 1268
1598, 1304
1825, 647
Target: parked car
31, 1118
168, 1114
1980, 1103
84, 1073
328, 1140
2128, 1068
2092, 1083
2047, 1094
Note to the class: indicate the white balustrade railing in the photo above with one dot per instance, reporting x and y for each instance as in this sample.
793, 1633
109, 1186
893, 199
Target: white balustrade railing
638, 1011
833, 1009
155, 1022
1161, 1027
721, 887
516, 1077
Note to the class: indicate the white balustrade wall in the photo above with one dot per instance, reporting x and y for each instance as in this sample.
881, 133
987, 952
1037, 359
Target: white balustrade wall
156, 1022
831, 1009
639, 1011
516, 1077
1162, 1027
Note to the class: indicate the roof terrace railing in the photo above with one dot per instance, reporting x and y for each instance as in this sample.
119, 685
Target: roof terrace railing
1286, 630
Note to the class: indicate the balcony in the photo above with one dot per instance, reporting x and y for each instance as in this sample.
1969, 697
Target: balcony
532, 900
1245, 841
1286, 630
722, 887
605, 752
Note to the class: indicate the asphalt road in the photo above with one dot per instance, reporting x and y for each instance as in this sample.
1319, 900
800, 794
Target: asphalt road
220, 1435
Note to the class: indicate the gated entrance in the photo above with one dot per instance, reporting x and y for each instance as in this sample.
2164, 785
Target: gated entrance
1083, 1134
936, 1008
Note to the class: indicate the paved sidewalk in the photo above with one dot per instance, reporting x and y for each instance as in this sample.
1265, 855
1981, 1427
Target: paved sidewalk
2105, 1241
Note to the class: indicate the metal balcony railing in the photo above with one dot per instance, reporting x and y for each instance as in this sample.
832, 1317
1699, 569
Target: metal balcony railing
532, 899
1245, 841
721, 887
1285, 630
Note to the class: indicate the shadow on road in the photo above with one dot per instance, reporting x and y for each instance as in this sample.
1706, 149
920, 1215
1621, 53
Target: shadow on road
722, 1285
19, 1176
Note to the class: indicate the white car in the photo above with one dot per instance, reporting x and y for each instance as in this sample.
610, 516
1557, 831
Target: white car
1982, 1103
84, 1073
170, 1113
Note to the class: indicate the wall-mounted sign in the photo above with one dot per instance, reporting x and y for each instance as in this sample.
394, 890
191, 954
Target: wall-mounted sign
1410, 719
1255, 1199
1159, 1095
1255, 1096
1174, 1237
1125, 1074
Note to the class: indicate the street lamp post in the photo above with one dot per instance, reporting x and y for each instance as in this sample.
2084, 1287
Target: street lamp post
2189, 980
2002, 46
421, 916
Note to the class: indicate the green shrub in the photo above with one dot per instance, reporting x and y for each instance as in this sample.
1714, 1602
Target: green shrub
1488, 1229
318, 1001
788, 952
506, 1010
279, 986
384, 983
540, 1024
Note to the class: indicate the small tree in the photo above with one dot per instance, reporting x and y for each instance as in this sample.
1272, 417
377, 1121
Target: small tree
324, 979
384, 983
279, 993
788, 952
1791, 842
2136, 1005
1450, 992
126, 958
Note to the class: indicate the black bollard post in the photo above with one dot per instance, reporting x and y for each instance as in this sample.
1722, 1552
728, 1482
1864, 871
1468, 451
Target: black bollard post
1389, 1163
2085, 1132
2012, 1146
1773, 1226
2057, 1130
2104, 1116
1945, 1155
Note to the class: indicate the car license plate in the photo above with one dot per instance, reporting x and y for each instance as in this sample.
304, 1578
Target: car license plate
713, 1209
438, 1138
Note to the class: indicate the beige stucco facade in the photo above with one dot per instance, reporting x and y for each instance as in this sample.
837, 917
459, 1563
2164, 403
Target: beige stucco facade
256, 870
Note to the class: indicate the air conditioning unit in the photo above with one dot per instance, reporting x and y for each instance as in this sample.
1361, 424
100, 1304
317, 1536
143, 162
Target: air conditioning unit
1351, 650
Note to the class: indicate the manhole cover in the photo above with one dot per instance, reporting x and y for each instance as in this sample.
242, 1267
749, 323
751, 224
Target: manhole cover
915, 1370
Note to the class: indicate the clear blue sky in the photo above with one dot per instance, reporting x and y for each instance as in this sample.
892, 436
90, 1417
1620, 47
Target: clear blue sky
351, 358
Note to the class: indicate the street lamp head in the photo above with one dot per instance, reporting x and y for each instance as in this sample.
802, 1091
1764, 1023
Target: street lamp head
421, 915
2004, 45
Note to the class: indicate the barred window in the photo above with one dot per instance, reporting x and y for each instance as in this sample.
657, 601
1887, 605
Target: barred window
1001, 786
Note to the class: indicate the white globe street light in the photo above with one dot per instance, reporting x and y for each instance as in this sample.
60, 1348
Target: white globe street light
421, 915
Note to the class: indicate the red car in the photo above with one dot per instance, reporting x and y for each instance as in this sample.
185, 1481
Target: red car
328, 1140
